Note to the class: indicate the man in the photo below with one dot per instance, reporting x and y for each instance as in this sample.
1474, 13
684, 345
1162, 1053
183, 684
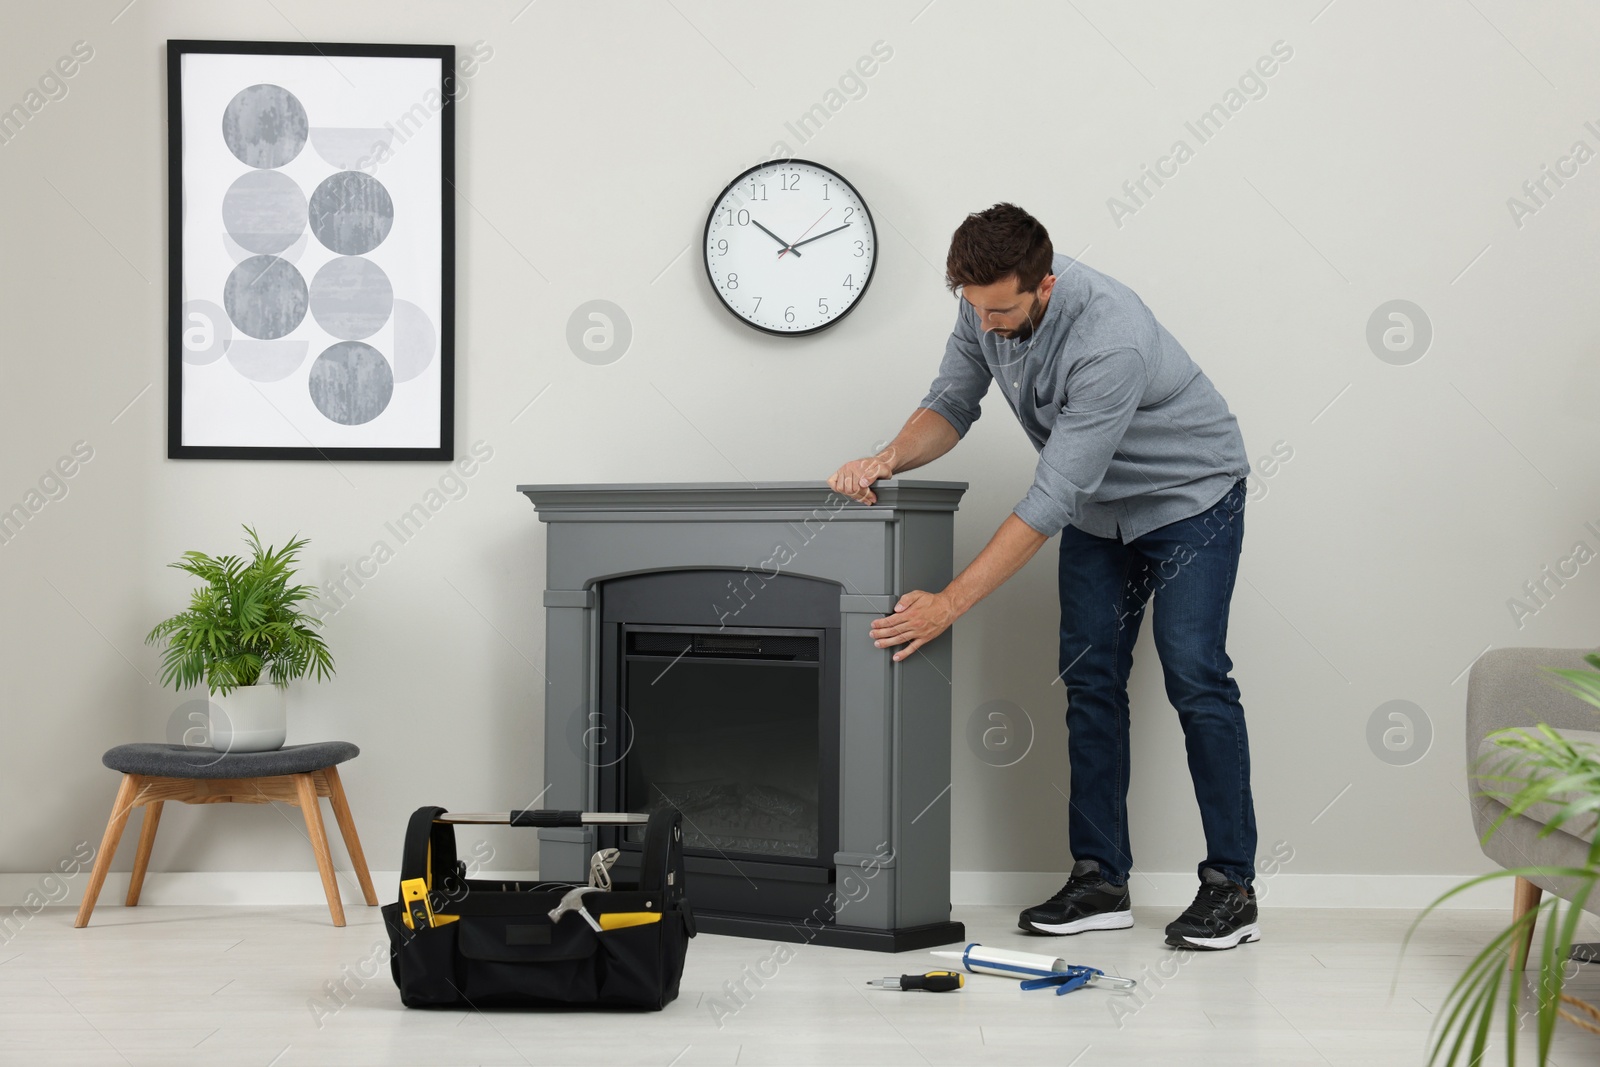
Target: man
1142, 472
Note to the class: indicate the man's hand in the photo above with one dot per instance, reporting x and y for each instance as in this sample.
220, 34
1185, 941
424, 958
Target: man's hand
918, 618
855, 478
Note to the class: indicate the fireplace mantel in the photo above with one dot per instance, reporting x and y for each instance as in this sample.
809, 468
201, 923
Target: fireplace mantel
569, 503
893, 860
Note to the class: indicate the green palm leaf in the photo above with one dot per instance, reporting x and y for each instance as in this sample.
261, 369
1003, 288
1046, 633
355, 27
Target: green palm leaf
243, 626
1539, 767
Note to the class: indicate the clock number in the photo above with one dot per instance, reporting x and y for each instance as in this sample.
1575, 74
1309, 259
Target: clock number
754, 187
788, 314
822, 305
825, 190
861, 249
790, 182
758, 305
849, 281
733, 281
848, 212
722, 247
742, 218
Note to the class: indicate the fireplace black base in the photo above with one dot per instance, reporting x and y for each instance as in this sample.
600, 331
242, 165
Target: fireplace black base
766, 928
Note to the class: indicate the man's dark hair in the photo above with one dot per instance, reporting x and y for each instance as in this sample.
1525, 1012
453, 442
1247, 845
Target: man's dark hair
996, 242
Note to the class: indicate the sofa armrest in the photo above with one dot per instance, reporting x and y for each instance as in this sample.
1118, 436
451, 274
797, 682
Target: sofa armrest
1507, 688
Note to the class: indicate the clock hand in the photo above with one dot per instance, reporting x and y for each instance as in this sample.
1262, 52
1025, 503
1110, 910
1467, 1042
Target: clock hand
775, 237
818, 237
813, 226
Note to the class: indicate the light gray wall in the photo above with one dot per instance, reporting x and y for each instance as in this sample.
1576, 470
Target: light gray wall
1378, 561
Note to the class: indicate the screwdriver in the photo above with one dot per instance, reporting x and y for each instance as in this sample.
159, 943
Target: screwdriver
932, 982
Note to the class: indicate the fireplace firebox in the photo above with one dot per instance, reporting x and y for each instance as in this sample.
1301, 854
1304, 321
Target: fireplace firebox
707, 649
736, 726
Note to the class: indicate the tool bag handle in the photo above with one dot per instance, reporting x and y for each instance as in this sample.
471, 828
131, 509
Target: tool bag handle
430, 846
661, 865
541, 817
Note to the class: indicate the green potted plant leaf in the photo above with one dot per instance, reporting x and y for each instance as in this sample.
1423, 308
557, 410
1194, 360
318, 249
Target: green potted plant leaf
245, 636
1552, 771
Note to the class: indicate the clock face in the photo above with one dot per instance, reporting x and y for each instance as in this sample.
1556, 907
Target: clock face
790, 247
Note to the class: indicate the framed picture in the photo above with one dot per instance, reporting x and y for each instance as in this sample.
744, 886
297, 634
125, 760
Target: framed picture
311, 252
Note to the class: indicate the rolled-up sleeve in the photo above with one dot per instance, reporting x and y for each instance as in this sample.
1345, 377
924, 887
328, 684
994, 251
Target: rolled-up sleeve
964, 377
1102, 395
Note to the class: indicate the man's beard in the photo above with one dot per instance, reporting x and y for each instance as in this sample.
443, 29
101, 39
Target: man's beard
1023, 332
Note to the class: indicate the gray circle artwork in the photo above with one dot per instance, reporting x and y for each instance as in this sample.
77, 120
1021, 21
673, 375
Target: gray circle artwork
1000, 733
351, 383
414, 341
599, 332
264, 211
206, 332
351, 213
1399, 732
351, 297
1399, 332
265, 297
265, 126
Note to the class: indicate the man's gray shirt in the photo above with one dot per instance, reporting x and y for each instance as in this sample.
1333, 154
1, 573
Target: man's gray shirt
1131, 434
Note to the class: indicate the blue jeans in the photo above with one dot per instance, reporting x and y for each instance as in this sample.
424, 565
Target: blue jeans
1188, 567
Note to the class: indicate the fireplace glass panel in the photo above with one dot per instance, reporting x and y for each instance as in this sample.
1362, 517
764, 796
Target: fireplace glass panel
732, 743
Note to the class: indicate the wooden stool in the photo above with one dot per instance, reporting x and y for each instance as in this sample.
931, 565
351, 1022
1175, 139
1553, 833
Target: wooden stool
295, 774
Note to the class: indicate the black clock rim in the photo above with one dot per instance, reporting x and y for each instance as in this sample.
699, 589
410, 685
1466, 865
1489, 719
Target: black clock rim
705, 255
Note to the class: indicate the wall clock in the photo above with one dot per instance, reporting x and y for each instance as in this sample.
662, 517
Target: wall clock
790, 247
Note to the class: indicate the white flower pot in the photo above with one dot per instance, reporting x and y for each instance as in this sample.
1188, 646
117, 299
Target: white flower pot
250, 718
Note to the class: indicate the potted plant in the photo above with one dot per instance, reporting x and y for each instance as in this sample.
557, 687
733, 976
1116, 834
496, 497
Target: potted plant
1564, 775
244, 636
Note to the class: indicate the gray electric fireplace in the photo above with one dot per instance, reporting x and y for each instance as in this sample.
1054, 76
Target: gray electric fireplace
707, 648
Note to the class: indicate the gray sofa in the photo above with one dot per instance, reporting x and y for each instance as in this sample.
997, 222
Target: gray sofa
1507, 688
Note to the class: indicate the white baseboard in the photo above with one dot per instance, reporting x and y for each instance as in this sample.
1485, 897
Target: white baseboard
1005, 888
1283, 890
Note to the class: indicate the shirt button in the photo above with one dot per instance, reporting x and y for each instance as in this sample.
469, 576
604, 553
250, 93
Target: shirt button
1015, 385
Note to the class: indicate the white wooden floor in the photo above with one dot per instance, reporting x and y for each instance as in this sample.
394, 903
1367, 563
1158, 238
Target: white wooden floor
172, 986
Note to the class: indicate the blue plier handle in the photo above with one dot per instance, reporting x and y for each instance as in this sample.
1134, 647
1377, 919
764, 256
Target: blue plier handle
1065, 981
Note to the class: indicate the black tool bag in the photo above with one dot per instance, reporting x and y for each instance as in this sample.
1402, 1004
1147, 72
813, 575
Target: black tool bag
465, 942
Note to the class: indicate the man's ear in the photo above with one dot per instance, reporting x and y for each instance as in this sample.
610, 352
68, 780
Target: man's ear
1046, 285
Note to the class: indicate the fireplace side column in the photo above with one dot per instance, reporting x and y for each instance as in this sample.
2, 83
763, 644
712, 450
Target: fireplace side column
569, 706
867, 861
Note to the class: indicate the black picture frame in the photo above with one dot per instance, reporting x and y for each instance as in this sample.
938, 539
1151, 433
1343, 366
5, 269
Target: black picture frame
441, 450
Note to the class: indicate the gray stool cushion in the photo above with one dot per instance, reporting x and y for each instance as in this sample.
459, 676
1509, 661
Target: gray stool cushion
182, 761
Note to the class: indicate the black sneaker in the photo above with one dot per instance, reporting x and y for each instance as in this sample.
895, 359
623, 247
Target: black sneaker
1223, 915
1086, 902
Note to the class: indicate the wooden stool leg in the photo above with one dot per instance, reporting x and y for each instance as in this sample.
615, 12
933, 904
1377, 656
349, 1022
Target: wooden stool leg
120, 807
141, 858
347, 827
306, 788
1525, 899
